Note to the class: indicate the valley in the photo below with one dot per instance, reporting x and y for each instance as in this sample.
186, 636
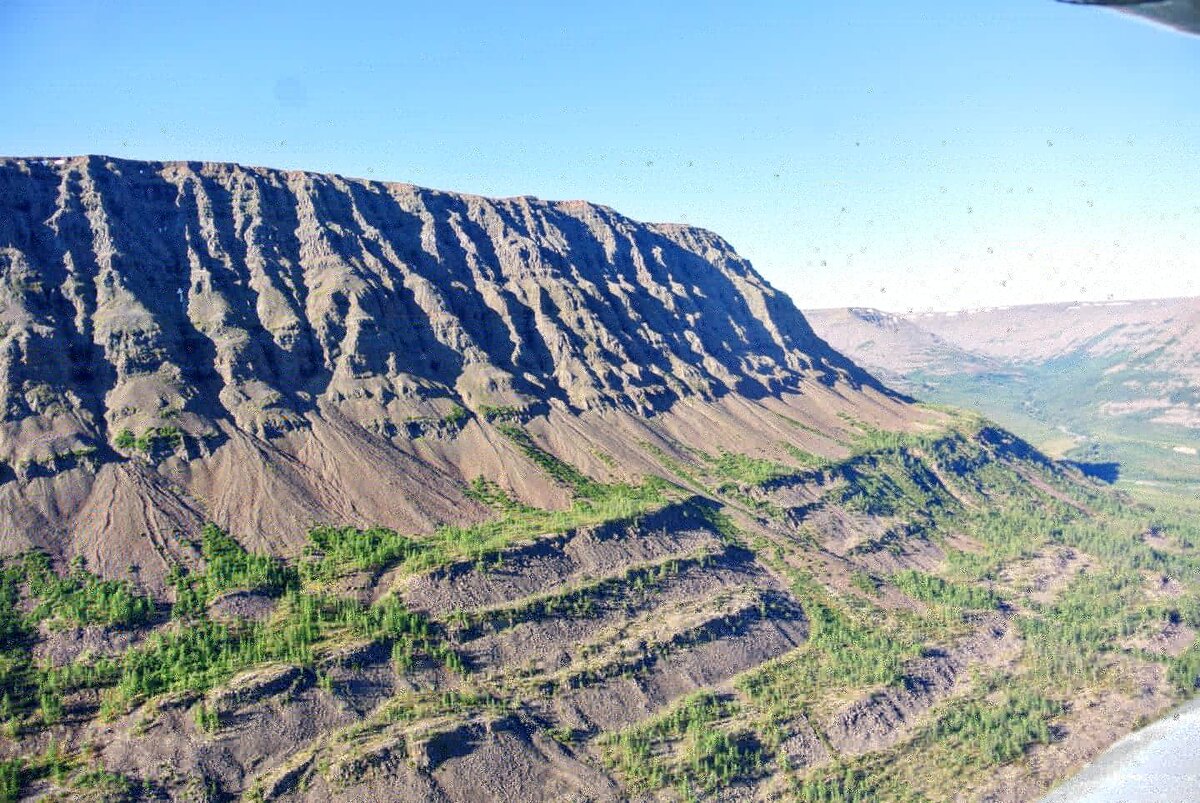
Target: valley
1112, 385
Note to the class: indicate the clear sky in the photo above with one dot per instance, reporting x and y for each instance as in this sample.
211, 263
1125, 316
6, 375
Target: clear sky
935, 154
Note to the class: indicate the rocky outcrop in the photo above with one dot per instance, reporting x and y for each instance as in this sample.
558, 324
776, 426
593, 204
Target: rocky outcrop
182, 342
135, 291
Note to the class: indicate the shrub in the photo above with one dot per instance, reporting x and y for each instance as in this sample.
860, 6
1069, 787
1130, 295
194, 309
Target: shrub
456, 417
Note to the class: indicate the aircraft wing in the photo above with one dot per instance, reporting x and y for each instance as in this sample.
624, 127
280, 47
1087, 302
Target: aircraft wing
1182, 15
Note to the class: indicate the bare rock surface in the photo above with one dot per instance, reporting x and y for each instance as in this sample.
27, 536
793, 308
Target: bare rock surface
291, 347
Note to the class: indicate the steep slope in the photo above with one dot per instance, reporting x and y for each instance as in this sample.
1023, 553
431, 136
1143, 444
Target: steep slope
1116, 384
517, 500
184, 342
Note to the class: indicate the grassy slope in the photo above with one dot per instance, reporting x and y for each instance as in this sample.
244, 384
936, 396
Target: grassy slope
934, 488
1072, 647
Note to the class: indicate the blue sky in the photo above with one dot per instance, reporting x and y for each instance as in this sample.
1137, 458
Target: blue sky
941, 154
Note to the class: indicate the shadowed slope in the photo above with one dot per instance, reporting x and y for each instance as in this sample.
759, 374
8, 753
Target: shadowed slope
281, 348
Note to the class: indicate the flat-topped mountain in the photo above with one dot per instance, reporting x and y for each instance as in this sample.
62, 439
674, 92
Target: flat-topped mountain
1159, 334
291, 335
255, 294
319, 489
895, 346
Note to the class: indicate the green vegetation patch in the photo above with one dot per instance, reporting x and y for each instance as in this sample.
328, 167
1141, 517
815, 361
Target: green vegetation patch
82, 598
933, 589
627, 591
865, 780
865, 583
893, 482
195, 653
485, 491
227, 566
456, 417
68, 772
804, 458
150, 439
558, 470
843, 651
962, 743
978, 734
493, 413
32, 694
333, 551
203, 654
748, 470
336, 551
1069, 638
605, 503
685, 749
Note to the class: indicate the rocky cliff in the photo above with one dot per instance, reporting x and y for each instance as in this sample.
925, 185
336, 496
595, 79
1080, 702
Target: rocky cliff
266, 348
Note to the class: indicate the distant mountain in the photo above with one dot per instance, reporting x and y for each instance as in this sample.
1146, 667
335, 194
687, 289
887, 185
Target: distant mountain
322, 489
1115, 381
1157, 334
893, 345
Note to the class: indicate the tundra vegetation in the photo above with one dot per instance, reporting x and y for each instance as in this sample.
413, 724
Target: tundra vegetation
991, 512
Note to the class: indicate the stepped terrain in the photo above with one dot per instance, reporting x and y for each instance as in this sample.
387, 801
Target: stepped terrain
321, 489
1115, 384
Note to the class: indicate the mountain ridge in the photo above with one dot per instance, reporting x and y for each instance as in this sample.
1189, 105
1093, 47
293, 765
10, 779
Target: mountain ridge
191, 320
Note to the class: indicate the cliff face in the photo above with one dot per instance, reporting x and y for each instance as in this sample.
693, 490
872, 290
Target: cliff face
211, 315
137, 289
